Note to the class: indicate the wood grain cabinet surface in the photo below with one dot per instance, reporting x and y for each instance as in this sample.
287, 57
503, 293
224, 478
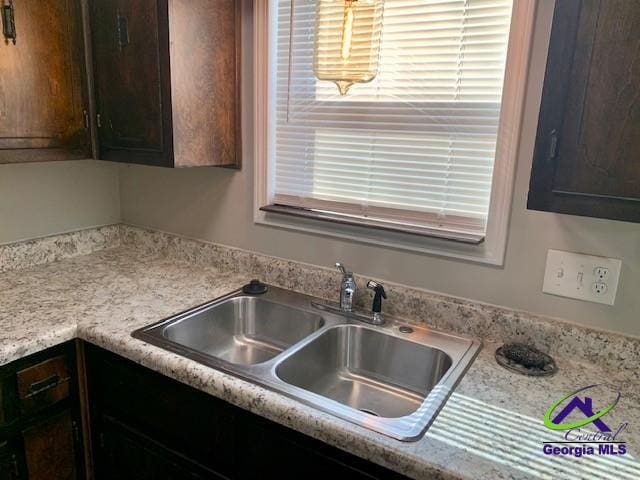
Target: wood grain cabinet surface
49, 447
587, 154
41, 436
43, 94
43, 384
166, 76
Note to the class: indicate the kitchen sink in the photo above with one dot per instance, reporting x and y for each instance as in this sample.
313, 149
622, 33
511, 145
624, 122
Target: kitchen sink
370, 371
243, 330
392, 378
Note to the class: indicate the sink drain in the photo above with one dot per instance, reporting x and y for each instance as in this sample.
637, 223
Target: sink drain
370, 412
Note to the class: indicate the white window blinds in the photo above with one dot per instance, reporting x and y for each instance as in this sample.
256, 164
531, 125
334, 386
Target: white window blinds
411, 150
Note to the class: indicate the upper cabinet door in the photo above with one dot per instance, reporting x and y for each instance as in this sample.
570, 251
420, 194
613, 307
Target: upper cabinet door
130, 48
587, 155
42, 82
167, 81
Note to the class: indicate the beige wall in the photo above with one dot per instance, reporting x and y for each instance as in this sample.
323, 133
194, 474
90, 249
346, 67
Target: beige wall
39, 199
217, 204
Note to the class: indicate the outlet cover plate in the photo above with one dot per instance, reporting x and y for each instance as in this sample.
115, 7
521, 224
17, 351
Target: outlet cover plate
575, 275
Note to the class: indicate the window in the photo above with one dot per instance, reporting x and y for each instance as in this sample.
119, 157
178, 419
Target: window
420, 148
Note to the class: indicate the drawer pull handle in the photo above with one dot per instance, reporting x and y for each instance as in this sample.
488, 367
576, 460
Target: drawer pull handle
43, 385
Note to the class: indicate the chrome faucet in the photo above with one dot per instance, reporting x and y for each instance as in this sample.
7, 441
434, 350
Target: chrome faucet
347, 297
347, 289
376, 308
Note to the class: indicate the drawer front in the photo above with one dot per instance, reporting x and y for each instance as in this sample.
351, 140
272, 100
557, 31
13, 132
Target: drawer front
43, 384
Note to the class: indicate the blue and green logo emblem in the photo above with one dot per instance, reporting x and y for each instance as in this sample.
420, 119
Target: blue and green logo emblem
584, 405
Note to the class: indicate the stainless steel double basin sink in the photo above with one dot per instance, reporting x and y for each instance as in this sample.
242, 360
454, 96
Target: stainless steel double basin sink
392, 379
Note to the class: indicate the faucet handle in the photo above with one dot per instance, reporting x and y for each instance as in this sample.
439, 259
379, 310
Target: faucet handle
343, 270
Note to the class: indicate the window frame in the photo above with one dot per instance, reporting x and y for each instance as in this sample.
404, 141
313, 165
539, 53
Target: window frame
492, 249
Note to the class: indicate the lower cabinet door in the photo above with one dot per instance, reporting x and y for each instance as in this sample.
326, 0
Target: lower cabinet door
10, 461
126, 454
50, 449
277, 453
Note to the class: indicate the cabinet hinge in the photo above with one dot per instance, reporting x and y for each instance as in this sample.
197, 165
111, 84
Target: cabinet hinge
86, 119
8, 22
99, 121
553, 145
76, 431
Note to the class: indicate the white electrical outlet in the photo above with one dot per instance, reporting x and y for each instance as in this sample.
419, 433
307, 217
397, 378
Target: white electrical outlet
584, 277
601, 273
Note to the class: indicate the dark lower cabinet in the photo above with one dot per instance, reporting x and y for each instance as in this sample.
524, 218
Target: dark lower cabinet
10, 460
147, 426
128, 454
40, 427
277, 452
144, 426
50, 448
146, 404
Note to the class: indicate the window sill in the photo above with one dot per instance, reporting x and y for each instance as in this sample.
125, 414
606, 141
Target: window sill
342, 219
480, 252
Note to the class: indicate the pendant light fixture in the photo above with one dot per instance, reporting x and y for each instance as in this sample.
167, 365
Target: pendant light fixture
347, 44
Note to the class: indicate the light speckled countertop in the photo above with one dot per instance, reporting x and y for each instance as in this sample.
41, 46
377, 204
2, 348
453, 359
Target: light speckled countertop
490, 428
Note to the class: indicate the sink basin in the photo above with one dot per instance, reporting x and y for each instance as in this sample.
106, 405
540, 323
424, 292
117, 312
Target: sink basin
367, 370
392, 378
243, 330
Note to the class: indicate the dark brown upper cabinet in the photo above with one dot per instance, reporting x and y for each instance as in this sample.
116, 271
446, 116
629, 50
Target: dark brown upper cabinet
43, 95
587, 154
167, 81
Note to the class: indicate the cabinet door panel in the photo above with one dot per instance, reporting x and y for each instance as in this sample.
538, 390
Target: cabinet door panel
600, 137
49, 449
587, 158
10, 463
42, 81
180, 418
129, 41
275, 455
126, 454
